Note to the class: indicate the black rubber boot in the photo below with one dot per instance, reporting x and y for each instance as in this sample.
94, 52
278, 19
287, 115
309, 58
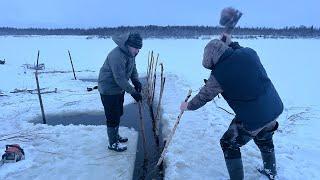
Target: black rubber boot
118, 147
269, 165
121, 139
114, 143
235, 168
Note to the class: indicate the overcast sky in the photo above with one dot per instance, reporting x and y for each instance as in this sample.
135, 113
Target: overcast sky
111, 13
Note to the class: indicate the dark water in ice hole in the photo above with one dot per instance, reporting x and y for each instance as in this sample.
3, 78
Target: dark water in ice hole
143, 169
88, 79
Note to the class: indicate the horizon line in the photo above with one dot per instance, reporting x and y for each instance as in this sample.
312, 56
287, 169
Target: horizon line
136, 26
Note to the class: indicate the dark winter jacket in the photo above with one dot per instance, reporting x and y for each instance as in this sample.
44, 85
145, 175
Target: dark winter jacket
117, 69
243, 82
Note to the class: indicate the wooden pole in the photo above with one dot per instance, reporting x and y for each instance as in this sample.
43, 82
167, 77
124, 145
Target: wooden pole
74, 74
38, 90
162, 82
150, 78
148, 66
38, 60
142, 130
157, 119
165, 149
154, 81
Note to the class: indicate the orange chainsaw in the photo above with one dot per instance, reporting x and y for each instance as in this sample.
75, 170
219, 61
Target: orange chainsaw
13, 153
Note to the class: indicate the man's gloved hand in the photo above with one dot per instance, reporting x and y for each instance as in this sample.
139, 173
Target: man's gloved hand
137, 86
137, 96
184, 106
226, 38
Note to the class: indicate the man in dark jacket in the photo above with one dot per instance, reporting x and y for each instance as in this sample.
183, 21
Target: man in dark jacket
114, 75
238, 74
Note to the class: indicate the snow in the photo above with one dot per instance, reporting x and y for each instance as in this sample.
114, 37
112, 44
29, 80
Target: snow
79, 152
55, 152
195, 150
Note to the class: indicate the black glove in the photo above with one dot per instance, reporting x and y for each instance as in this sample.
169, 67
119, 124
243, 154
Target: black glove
137, 86
205, 81
137, 96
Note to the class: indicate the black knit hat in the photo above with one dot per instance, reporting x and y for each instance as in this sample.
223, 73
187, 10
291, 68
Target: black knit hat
134, 40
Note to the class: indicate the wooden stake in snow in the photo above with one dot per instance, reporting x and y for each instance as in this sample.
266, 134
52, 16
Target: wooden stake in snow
157, 119
74, 74
38, 89
165, 149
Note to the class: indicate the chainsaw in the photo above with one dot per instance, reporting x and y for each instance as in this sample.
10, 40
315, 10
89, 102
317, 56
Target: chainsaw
13, 153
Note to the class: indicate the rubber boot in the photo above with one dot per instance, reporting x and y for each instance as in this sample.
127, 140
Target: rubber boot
269, 165
114, 143
121, 139
235, 168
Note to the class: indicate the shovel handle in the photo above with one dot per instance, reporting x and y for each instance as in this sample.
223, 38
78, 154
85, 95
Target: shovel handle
188, 96
165, 149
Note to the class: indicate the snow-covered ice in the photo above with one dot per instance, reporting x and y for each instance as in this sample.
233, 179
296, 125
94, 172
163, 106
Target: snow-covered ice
195, 150
79, 152
55, 152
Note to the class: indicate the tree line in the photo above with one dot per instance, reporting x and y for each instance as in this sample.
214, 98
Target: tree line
153, 31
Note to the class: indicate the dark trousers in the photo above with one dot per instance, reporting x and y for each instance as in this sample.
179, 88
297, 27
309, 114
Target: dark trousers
113, 108
237, 136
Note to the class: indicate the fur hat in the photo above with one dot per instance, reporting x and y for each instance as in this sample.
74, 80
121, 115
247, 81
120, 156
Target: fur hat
134, 40
212, 52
